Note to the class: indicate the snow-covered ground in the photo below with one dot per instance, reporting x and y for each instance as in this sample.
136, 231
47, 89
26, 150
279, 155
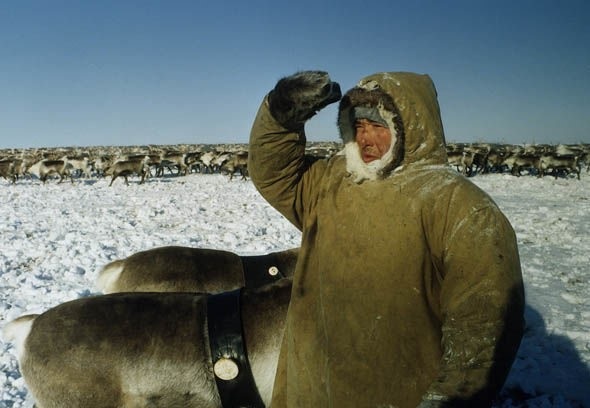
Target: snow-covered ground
54, 238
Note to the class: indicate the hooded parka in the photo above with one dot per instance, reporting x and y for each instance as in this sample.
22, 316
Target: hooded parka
407, 287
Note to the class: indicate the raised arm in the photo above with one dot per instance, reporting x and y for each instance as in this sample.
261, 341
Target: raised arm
276, 160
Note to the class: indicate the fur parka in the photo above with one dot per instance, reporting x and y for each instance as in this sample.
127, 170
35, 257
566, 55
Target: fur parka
408, 287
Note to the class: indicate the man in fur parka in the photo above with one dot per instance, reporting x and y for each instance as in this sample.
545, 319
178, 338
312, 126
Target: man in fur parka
408, 289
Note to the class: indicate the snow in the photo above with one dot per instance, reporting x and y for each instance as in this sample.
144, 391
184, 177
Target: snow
55, 237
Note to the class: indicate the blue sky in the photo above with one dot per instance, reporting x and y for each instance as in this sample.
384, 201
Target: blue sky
117, 72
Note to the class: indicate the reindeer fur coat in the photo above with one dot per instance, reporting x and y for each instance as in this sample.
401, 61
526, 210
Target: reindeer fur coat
408, 287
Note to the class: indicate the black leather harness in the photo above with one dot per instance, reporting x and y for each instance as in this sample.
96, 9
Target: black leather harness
233, 374
260, 270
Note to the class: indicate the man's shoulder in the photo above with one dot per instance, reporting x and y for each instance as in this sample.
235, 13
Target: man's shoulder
442, 180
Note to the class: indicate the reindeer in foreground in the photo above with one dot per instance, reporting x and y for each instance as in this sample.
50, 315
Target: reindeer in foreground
184, 269
141, 349
152, 349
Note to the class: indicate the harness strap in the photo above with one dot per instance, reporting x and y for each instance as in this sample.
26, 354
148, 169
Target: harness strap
233, 375
260, 270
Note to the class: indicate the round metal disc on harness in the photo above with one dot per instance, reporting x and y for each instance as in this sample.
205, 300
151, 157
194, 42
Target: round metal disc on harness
226, 369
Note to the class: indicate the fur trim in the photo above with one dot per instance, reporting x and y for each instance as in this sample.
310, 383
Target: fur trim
371, 96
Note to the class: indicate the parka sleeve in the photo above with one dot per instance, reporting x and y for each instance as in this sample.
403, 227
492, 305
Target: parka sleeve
278, 169
482, 308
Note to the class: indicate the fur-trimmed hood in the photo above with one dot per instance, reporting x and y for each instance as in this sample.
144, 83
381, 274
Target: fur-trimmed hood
407, 102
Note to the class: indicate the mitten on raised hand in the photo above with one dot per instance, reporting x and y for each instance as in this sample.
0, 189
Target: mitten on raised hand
298, 97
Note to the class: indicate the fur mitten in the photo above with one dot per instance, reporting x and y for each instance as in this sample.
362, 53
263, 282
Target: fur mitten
298, 97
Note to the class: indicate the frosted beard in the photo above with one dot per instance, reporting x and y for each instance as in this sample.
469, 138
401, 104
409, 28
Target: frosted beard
375, 170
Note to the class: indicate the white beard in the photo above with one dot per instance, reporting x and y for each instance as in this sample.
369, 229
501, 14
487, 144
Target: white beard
362, 171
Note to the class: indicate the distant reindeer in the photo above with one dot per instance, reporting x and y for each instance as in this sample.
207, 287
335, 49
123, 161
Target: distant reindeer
80, 164
126, 168
46, 167
237, 163
7, 170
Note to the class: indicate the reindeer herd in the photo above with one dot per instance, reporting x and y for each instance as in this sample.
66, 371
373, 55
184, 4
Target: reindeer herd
535, 159
75, 163
563, 160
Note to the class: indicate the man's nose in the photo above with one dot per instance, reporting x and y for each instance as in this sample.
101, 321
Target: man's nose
365, 138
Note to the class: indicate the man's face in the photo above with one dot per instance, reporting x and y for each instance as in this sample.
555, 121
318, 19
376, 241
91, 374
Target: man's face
374, 139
